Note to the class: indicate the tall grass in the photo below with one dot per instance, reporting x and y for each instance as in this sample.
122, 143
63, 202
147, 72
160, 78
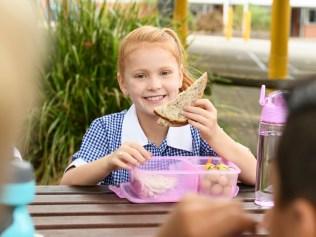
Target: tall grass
80, 81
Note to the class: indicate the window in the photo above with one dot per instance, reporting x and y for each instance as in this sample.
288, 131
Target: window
312, 16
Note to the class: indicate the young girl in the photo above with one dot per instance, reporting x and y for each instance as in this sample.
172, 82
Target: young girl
151, 72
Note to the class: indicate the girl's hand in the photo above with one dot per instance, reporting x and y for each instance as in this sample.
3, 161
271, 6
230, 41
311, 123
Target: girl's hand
203, 115
128, 156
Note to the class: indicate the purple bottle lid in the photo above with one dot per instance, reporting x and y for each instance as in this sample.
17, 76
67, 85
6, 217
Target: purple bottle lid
274, 109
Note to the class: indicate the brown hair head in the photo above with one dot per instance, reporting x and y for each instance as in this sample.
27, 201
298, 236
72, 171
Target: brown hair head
150, 34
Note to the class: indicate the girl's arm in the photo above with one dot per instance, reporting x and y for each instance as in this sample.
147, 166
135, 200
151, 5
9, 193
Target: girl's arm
87, 174
126, 157
203, 115
233, 151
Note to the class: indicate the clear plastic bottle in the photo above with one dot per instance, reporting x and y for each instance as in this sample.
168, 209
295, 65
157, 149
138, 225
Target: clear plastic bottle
272, 121
18, 192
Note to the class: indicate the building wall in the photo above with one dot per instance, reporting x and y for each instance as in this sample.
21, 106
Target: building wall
308, 23
309, 30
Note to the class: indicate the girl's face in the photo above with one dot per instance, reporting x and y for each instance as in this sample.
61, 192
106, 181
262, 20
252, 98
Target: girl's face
151, 77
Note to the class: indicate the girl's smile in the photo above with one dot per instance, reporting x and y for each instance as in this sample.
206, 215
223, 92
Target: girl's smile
155, 99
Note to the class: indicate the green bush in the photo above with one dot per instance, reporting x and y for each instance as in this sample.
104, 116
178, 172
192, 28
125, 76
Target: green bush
80, 82
260, 18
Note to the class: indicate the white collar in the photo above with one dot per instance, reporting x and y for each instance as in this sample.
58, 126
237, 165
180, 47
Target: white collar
177, 137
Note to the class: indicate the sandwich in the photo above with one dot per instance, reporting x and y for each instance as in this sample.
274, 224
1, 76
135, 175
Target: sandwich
170, 114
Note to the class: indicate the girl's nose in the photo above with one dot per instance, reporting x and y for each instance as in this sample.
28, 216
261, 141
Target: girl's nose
154, 83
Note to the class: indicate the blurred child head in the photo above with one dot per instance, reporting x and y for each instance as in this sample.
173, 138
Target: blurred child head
151, 67
295, 168
21, 48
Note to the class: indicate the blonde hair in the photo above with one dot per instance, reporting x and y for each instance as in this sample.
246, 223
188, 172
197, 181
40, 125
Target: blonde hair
151, 34
21, 50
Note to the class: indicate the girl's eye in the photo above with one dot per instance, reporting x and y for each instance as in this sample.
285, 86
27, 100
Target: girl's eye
165, 73
140, 76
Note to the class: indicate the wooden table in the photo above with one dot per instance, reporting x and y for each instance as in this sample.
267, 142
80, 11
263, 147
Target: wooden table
96, 211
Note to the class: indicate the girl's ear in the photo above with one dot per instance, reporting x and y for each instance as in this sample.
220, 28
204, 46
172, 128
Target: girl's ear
122, 85
305, 217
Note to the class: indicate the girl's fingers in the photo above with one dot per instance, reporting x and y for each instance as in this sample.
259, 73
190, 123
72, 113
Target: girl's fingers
127, 158
204, 103
196, 110
135, 154
197, 125
197, 118
146, 154
121, 164
210, 115
130, 155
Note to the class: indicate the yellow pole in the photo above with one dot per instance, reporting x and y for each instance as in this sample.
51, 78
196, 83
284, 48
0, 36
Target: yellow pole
228, 21
180, 17
246, 23
280, 27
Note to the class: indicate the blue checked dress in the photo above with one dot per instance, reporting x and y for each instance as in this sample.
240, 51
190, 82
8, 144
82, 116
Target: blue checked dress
104, 137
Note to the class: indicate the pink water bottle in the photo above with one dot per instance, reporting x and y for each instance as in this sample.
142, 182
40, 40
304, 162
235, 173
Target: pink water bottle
272, 121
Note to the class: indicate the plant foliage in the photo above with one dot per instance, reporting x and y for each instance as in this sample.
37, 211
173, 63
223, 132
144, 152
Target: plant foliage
80, 81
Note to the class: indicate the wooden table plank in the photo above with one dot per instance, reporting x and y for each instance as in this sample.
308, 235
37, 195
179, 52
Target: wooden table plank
78, 199
85, 198
98, 221
113, 232
115, 209
246, 196
99, 209
106, 221
97, 232
98, 198
62, 189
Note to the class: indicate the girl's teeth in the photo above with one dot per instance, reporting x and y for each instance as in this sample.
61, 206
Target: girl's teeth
155, 98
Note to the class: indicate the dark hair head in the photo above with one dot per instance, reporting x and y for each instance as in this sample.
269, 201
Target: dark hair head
296, 156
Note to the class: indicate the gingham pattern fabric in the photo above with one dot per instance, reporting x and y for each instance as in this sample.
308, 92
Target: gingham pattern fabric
104, 136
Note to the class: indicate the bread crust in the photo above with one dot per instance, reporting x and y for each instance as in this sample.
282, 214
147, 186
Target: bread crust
175, 122
199, 84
